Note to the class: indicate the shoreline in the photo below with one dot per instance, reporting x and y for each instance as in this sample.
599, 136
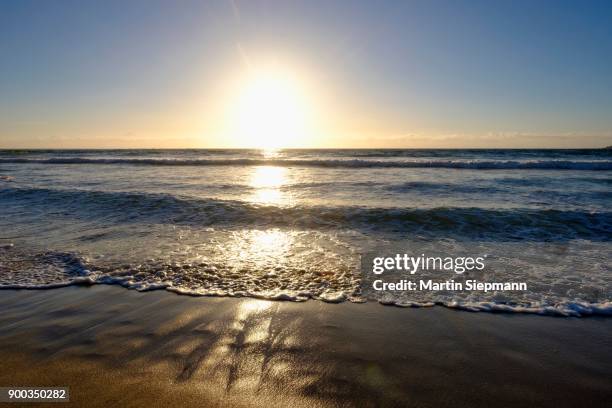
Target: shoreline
577, 309
117, 346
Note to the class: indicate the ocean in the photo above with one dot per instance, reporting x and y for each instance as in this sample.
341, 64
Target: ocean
295, 224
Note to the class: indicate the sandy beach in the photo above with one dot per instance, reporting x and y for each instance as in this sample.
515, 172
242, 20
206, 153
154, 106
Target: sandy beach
113, 347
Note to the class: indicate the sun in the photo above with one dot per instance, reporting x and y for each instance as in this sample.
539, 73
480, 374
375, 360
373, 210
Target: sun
270, 110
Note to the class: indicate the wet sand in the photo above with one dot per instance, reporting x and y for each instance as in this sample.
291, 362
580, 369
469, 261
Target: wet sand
115, 347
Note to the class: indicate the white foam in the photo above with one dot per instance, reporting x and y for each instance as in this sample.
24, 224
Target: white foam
335, 163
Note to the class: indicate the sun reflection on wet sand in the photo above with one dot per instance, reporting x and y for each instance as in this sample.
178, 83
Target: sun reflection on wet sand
252, 306
267, 181
249, 311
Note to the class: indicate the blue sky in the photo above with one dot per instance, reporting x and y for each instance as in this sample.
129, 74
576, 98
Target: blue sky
392, 74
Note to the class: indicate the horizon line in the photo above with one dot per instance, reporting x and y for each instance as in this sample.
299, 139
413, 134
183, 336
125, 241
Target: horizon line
306, 148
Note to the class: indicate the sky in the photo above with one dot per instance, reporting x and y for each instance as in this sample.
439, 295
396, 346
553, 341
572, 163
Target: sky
181, 74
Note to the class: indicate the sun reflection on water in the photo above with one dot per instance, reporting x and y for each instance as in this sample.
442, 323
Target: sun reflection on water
267, 182
264, 248
271, 153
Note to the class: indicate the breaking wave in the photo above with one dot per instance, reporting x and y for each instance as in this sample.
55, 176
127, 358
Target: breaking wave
48, 270
513, 224
597, 165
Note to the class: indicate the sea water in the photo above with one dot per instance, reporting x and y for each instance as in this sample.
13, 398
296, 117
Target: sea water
294, 224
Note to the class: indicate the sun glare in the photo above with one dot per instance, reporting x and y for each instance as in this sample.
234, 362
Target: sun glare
269, 111
267, 182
